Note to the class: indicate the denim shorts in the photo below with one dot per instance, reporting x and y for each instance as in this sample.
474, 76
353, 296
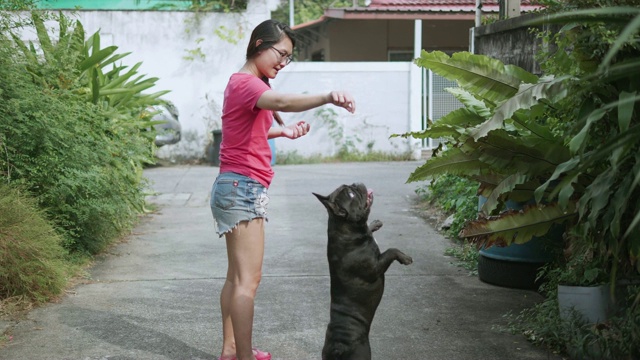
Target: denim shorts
236, 198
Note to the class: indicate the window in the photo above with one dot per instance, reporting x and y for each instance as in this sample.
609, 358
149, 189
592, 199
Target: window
400, 55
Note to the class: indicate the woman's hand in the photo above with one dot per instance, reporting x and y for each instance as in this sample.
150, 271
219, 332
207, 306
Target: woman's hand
297, 130
343, 99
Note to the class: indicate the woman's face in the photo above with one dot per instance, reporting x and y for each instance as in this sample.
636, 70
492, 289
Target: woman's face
273, 59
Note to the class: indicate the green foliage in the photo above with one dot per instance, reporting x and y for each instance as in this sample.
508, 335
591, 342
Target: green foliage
8, 20
201, 5
582, 269
74, 133
593, 108
218, 5
454, 195
467, 255
617, 338
507, 138
16, 5
458, 196
500, 140
307, 10
602, 128
32, 260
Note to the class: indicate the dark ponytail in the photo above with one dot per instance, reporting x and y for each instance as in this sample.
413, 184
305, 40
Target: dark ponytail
270, 32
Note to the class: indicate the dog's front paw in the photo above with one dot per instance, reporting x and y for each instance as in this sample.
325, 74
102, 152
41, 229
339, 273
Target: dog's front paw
375, 225
404, 259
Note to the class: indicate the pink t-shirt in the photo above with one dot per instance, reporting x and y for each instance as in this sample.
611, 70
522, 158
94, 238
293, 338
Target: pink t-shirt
245, 128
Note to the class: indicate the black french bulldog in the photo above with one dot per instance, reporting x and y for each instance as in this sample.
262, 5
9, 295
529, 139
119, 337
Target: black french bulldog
357, 272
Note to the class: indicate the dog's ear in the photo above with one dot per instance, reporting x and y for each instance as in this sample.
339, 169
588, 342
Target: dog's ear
322, 198
331, 206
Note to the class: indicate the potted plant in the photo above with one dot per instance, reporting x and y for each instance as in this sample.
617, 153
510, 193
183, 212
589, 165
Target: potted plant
583, 288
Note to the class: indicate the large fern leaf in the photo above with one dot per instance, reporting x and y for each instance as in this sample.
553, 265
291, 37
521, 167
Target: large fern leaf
453, 161
526, 97
515, 226
486, 77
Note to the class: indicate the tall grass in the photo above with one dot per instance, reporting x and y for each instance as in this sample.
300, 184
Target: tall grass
32, 260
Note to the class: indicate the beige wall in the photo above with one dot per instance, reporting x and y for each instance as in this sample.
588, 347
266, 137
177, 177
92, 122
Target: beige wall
370, 40
358, 40
446, 35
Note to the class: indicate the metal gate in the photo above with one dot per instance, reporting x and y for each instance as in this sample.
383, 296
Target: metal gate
436, 102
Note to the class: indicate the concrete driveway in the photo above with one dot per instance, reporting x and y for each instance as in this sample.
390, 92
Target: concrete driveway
155, 296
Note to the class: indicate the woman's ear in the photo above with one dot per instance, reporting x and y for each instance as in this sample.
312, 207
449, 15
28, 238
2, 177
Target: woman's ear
258, 42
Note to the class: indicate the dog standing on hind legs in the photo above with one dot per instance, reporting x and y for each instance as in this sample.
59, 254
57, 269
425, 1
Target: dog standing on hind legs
357, 269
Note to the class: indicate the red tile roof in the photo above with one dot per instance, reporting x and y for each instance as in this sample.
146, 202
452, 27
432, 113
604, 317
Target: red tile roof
442, 5
427, 3
417, 9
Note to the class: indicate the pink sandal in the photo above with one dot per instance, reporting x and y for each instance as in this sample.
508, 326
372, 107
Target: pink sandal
259, 354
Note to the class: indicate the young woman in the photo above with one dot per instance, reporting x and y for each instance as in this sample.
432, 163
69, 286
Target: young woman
239, 194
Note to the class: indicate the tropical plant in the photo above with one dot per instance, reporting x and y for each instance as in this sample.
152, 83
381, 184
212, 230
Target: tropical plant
74, 131
307, 10
584, 172
87, 62
200, 5
499, 140
8, 8
603, 137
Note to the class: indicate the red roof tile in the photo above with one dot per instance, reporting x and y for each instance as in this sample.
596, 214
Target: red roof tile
421, 3
414, 9
440, 5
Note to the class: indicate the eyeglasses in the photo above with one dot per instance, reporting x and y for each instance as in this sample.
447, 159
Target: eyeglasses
283, 56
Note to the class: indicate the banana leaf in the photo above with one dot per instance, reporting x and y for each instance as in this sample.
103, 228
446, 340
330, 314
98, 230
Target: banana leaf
515, 226
527, 96
471, 102
488, 78
504, 187
452, 161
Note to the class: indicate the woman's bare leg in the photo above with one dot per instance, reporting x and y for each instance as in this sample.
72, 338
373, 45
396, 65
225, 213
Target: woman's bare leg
245, 251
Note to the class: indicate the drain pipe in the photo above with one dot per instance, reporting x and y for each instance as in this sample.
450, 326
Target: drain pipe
478, 12
291, 21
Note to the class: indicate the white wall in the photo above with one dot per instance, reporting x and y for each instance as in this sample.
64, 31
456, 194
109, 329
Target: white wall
381, 91
161, 40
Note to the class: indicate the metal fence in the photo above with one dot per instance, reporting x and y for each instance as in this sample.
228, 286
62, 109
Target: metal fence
437, 102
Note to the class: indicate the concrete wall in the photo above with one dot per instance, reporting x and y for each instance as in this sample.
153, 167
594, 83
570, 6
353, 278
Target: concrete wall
382, 92
109, 4
193, 55
510, 41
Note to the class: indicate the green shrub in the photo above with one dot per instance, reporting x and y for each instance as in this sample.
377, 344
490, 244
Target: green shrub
31, 256
457, 196
617, 338
65, 151
454, 195
75, 137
